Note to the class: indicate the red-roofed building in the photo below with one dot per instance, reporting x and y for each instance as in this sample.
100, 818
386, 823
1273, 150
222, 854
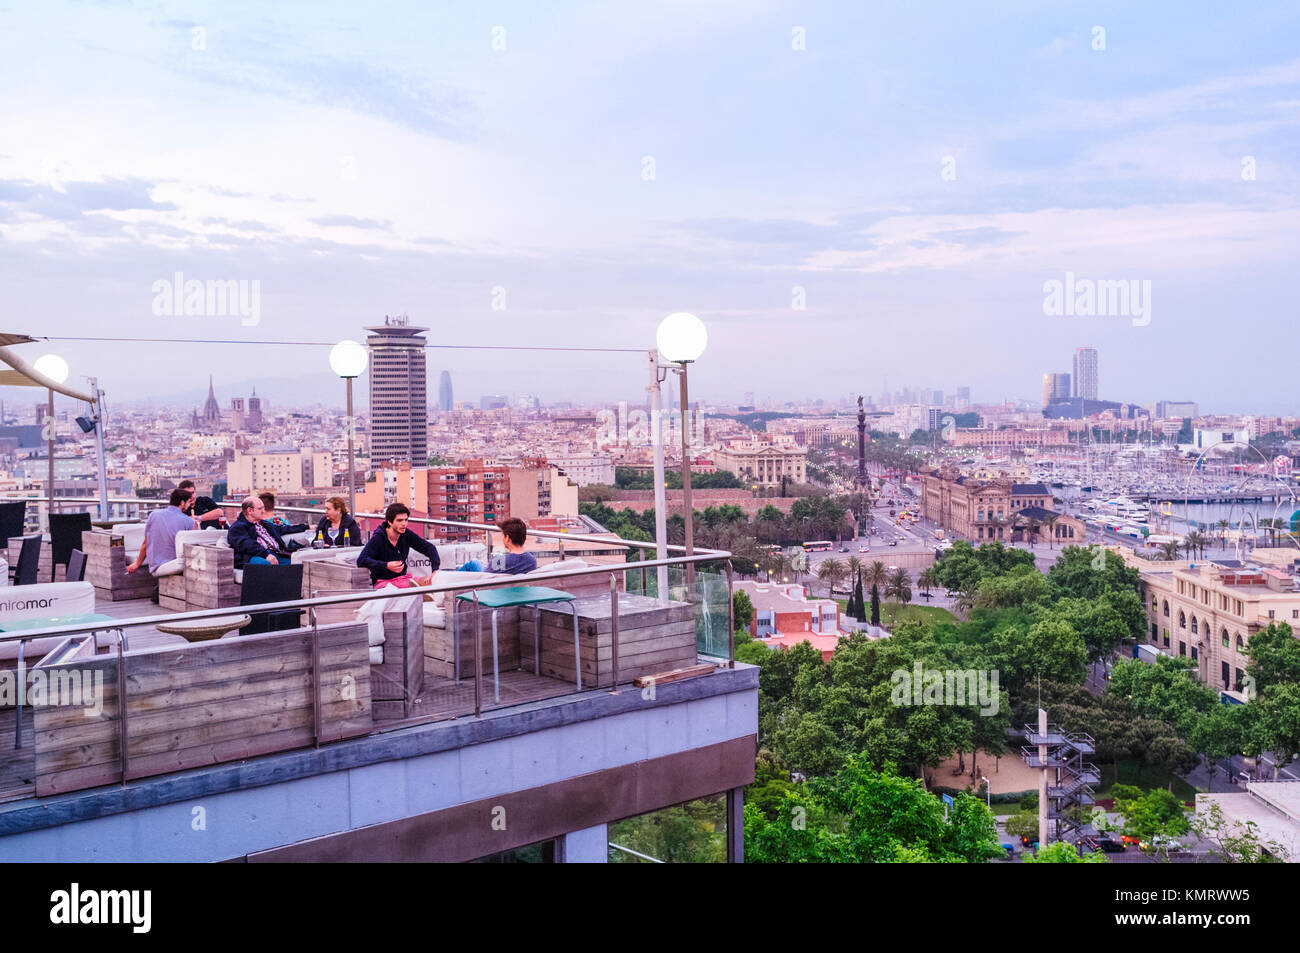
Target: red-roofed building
784, 616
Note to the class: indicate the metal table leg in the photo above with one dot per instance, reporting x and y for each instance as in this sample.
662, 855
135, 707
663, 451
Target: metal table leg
455, 638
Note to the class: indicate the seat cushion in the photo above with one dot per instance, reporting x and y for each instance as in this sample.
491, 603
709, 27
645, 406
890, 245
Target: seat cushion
434, 616
173, 567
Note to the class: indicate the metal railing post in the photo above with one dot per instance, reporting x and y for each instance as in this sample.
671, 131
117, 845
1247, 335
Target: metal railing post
121, 708
478, 657
315, 679
731, 617
613, 632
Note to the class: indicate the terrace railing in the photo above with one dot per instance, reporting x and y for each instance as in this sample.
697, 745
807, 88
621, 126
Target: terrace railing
155, 748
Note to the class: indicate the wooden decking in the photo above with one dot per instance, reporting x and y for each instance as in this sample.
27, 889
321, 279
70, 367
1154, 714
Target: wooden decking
445, 698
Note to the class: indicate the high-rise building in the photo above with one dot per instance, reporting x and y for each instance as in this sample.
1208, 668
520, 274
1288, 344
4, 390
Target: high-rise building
493, 402
446, 402
1085, 373
1055, 387
399, 409
473, 492
1176, 408
936, 398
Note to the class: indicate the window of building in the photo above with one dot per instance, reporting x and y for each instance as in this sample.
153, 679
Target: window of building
1166, 638
1241, 643
1166, 608
1182, 648
542, 852
1182, 619
1225, 639
1237, 679
1155, 633
1193, 653
690, 833
1224, 673
1270, 613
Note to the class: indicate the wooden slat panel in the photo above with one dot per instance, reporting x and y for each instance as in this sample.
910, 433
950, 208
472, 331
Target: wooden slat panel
254, 696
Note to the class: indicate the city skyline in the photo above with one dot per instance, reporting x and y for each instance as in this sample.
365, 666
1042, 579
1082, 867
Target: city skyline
900, 208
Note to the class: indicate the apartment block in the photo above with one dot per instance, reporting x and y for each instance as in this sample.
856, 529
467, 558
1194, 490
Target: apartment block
279, 470
1208, 614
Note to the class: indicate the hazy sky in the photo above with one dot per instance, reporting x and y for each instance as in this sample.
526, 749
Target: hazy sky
919, 170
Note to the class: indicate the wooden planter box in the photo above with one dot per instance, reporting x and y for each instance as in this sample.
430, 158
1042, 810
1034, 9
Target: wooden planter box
652, 638
205, 704
210, 578
398, 681
106, 562
439, 648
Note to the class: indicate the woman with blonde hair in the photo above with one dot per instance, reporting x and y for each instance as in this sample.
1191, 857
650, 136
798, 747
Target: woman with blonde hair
337, 527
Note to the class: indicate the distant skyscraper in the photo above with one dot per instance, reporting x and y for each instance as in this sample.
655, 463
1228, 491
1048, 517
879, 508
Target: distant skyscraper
1055, 387
1085, 373
493, 402
399, 404
936, 398
446, 403
963, 393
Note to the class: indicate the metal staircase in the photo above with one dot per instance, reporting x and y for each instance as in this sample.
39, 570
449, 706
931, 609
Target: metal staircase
1074, 777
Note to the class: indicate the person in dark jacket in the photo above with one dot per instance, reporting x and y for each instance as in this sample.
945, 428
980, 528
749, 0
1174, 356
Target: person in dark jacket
206, 512
254, 539
385, 555
337, 527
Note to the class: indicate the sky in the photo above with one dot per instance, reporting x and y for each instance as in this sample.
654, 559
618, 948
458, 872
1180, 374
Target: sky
843, 192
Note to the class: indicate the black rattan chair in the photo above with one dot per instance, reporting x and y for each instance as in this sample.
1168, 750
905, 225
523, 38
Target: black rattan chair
76, 566
65, 536
29, 558
265, 584
12, 518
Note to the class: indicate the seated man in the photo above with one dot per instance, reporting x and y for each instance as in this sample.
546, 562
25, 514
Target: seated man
207, 514
283, 525
160, 530
255, 540
514, 561
385, 555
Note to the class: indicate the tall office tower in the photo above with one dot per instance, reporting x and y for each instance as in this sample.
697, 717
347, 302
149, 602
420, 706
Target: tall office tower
399, 404
1055, 387
1085, 373
936, 398
446, 403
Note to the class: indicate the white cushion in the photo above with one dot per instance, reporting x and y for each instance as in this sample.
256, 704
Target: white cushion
43, 601
173, 567
434, 616
132, 537
376, 655
568, 565
239, 576
205, 537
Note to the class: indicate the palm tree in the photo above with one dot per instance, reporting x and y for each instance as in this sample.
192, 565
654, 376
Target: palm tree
854, 565
1033, 530
1223, 532
1169, 550
875, 576
926, 581
831, 572
899, 586
1050, 523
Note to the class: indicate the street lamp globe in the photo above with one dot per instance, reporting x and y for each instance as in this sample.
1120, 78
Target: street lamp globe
348, 359
681, 338
53, 367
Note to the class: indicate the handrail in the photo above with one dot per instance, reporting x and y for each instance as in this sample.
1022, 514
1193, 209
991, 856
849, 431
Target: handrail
360, 595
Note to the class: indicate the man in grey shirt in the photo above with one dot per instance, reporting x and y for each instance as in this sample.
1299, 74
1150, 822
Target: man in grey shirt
160, 531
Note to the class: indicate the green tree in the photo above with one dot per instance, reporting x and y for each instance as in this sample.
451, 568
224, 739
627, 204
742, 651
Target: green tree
742, 609
1156, 817
899, 587
1232, 842
1063, 853
875, 604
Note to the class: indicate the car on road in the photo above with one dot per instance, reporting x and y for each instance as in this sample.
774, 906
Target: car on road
864, 549
1108, 846
893, 542
844, 549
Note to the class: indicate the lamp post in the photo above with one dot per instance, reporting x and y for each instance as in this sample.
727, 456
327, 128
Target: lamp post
56, 369
348, 360
681, 340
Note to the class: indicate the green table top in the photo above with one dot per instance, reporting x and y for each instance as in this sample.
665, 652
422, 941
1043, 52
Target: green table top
20, 624
516, 596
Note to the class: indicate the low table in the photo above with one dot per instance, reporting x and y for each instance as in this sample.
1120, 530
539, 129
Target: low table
204, 630
497, 599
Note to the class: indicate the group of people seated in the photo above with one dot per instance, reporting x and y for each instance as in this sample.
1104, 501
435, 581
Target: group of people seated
258, 537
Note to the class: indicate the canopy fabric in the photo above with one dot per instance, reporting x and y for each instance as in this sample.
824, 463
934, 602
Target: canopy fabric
22, 374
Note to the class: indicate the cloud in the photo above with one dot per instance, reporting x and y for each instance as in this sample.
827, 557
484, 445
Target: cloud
1057, 47
77, 198
349, 221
